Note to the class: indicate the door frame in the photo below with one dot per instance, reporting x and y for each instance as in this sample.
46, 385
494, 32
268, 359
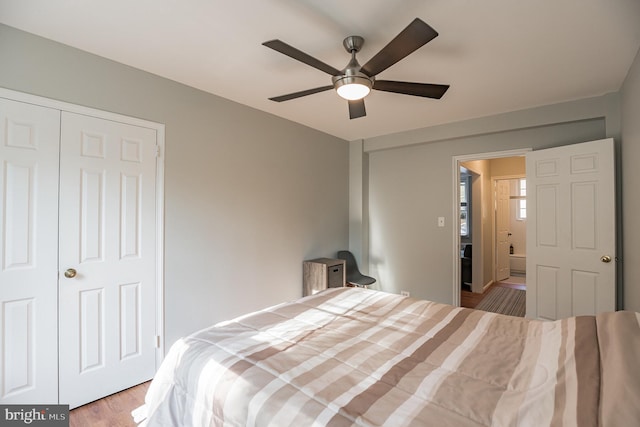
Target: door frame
455, 219
160, 143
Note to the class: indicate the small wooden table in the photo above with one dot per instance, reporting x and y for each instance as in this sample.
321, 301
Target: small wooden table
322, 273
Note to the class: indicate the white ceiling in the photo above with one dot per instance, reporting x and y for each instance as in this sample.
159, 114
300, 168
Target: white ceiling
497, 55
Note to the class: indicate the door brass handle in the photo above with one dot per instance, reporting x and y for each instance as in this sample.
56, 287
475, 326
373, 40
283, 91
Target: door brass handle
70, 273
605, 258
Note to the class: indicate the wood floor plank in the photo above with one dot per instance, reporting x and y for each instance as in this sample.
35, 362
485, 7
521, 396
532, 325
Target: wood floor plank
111, 411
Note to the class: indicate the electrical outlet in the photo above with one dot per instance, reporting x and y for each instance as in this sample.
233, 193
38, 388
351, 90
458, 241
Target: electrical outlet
405, 293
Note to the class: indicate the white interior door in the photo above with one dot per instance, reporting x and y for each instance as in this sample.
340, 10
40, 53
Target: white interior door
107, 244
571, 230
29, 145
503, 222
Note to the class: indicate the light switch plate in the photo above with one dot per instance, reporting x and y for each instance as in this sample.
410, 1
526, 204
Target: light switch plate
440, 221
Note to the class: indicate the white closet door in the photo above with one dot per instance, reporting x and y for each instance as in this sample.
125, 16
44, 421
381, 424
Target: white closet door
29, 146
107, 237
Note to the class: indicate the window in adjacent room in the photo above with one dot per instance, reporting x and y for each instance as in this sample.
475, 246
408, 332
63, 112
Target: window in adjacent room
465, 205
522, 199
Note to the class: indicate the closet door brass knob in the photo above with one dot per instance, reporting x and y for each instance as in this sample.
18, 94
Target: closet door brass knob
605, 258
70, 273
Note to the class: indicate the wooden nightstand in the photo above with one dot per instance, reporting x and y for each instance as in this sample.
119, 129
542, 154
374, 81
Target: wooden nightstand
322, 273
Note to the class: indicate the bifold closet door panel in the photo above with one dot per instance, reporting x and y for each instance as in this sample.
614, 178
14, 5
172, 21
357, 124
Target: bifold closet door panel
29, 150
107, 250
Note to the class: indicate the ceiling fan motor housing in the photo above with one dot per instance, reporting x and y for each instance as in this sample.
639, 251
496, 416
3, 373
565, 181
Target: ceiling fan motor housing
351, 74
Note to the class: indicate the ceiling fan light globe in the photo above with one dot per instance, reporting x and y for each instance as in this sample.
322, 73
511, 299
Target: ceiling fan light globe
353, 91
352, 87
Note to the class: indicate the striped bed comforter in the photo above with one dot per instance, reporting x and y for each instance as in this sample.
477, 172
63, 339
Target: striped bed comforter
350, 356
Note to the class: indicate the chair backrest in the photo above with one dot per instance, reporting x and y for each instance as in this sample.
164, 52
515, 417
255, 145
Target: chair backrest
352, 273
350, 261
468, 251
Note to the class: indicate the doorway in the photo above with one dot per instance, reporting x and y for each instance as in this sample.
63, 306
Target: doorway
571, 231
480, 173
511, 227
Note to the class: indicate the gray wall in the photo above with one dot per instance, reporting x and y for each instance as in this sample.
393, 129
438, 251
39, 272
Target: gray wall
630, 155
410, 186
248, 196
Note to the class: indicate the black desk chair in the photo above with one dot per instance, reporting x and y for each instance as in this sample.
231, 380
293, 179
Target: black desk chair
465, 267
354, 276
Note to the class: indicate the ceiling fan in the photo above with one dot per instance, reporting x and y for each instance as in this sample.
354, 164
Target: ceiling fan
355, 82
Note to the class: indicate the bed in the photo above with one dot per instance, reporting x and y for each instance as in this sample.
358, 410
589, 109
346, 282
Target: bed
358, 357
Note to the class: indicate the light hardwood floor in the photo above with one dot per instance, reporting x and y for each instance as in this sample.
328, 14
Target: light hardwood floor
111, 411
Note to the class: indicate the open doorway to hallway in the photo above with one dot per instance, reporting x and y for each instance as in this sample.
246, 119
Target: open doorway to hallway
492, 233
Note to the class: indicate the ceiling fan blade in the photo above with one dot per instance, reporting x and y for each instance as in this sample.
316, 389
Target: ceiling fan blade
356, 109
426, 90
300, 94
416, 35
299, 55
